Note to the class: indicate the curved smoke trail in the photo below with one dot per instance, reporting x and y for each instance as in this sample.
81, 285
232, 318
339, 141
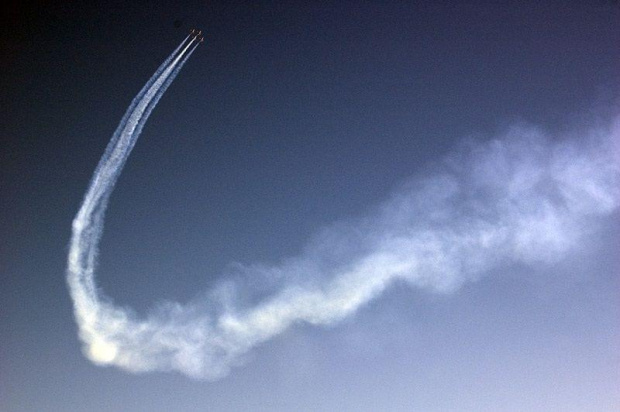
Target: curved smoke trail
523, 197
88, 224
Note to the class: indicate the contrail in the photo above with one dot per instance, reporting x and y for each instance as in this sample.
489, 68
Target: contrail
523, 197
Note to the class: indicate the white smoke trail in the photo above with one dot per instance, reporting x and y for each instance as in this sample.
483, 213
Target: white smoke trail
88, 224
523, 197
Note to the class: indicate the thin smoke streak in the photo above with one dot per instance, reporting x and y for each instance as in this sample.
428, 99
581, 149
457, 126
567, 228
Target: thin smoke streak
522, 197
132, 110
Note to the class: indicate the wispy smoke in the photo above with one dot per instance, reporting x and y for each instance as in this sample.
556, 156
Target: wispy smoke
523, 197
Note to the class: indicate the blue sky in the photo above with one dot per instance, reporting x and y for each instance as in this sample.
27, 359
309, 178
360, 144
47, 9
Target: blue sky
289, 136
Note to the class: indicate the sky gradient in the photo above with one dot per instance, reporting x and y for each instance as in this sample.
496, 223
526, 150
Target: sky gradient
287, 121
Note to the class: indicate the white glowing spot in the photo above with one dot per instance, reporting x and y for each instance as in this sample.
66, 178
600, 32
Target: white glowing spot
102, 352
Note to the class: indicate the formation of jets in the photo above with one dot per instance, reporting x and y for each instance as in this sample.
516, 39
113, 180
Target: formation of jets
197, 35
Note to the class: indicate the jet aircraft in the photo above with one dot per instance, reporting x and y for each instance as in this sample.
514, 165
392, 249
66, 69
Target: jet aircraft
197, 35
